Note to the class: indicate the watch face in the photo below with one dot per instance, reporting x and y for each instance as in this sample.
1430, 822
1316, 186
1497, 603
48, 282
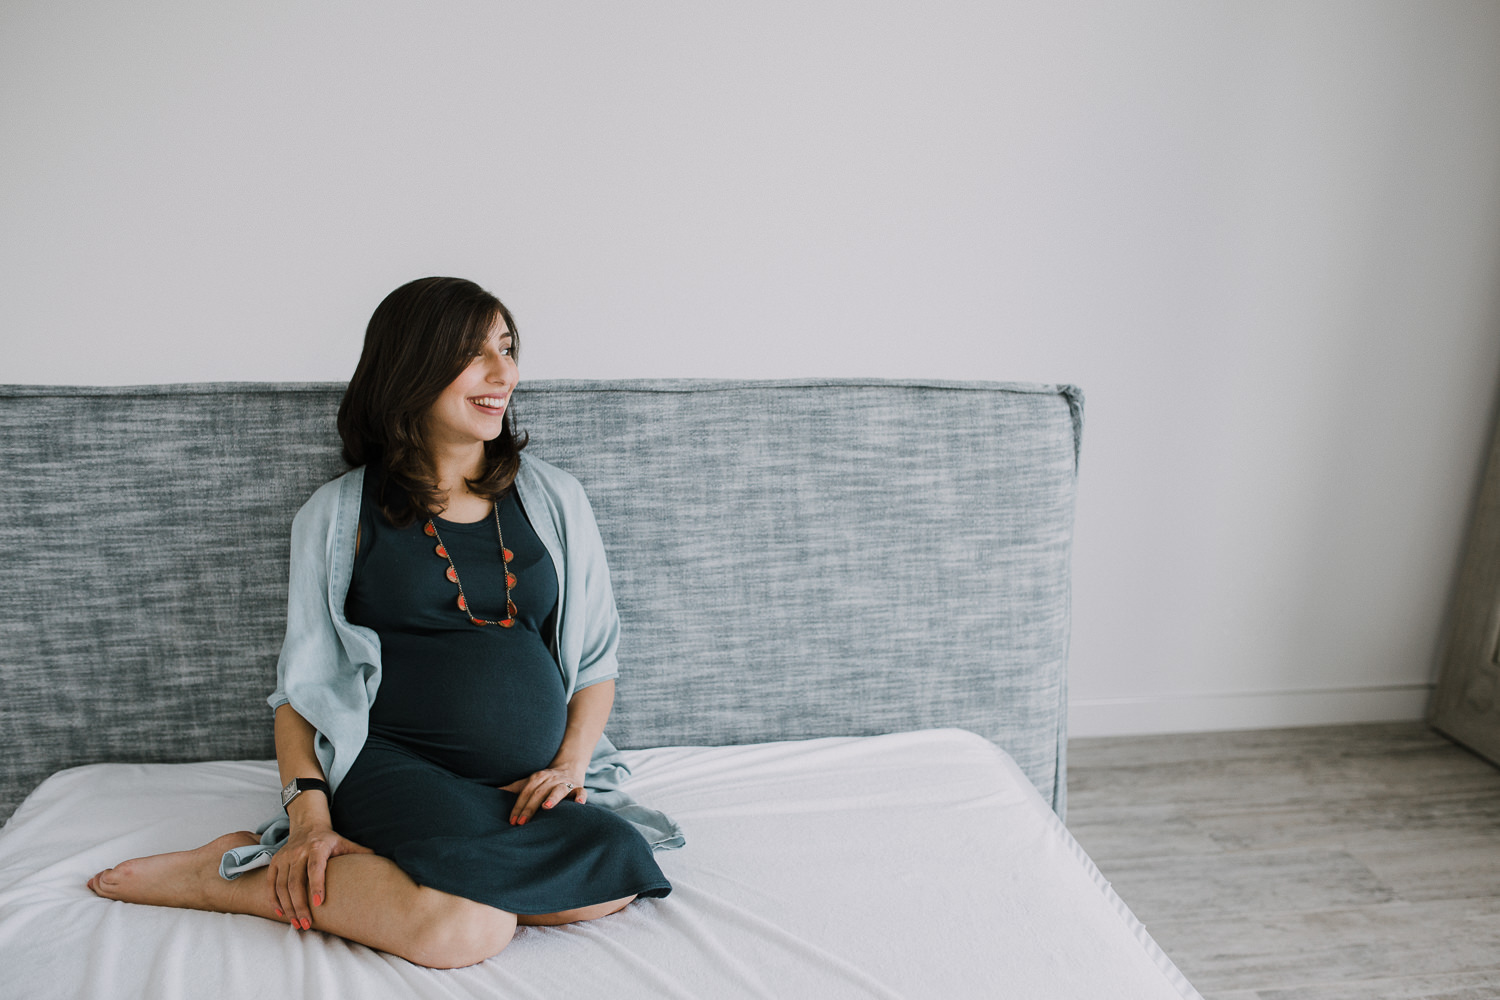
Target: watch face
288, 792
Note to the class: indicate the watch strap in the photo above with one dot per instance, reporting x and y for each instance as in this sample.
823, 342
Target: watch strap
297, 786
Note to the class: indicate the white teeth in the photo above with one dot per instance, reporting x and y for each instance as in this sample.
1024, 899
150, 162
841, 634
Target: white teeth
494, 402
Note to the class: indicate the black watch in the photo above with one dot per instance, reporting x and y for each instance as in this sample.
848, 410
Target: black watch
297, 786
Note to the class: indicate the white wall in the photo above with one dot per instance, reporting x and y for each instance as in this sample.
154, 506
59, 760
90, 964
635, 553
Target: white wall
1263, 237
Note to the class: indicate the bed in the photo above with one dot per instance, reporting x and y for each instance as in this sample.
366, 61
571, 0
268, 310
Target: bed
844, 611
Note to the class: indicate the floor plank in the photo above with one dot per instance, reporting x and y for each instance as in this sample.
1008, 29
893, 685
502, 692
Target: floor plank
1303, 864
1197, 886
1459, 868
1377, 820
1123, 832
1367, 943
1443, 986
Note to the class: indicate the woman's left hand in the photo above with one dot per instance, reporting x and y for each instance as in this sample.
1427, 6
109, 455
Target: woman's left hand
563, 778
545, 789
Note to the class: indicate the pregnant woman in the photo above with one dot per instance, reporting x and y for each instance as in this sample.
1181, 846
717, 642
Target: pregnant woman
448, 668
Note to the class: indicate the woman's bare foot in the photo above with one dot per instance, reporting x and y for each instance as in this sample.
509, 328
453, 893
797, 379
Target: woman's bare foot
182, 878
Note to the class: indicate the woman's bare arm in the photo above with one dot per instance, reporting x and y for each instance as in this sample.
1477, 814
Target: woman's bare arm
587, 713
297, 870
295, 758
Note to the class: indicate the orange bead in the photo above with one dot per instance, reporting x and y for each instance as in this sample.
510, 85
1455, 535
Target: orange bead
510, 579
451, 574
509, 555
442, 552
429, 529
462, 606
507, 623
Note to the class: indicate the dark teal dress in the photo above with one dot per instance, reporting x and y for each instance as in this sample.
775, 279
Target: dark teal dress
463, 709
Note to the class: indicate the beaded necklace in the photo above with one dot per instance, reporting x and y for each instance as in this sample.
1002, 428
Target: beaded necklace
452, 574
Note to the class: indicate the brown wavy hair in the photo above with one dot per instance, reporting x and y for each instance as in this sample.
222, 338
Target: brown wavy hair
420, 338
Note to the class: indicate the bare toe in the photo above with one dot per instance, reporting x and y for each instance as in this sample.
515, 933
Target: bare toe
97, 882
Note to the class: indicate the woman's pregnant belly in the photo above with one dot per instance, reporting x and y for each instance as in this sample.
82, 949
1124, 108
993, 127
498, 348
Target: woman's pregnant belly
485, 703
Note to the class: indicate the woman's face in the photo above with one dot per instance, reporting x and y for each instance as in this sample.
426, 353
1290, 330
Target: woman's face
472, 409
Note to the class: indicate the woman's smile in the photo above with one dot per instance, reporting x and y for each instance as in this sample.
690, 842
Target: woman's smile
490, 404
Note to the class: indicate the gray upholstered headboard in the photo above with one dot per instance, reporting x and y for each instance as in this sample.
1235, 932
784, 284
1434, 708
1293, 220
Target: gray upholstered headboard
791, 559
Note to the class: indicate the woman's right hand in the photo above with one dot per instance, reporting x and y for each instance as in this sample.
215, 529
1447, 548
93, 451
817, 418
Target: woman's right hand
296, 871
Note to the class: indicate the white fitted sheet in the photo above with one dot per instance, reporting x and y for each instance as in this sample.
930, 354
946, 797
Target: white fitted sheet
913, 865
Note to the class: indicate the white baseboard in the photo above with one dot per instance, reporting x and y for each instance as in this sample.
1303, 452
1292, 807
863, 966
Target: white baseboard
1247, 710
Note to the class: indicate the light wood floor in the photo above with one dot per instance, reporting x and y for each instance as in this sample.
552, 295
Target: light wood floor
1329, 863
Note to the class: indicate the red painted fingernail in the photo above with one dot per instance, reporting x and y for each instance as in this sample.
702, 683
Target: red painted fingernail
306, 924
317, 899
522, 821
279, 913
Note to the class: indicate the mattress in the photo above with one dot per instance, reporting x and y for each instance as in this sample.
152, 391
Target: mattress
917, 864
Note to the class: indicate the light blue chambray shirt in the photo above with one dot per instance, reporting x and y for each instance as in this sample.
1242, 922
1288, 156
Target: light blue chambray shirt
329, 670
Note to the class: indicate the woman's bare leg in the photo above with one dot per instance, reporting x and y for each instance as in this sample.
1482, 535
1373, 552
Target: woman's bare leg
369, 900
573, 916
